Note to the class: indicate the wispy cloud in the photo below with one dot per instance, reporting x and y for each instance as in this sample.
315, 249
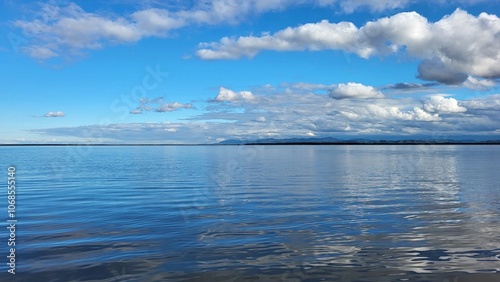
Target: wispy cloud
489, 103
54, 114
404, 86
170, 107
158, 105
62, 30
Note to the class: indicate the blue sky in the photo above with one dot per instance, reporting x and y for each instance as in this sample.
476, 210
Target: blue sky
207, 71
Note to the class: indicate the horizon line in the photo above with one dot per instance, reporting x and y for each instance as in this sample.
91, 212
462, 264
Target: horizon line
380, 142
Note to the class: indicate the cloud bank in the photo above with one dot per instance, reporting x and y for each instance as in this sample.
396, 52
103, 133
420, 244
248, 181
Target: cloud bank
288, 113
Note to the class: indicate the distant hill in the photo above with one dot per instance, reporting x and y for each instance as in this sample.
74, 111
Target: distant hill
358, 141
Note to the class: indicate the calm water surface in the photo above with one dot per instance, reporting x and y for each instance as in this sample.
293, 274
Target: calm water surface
255, 213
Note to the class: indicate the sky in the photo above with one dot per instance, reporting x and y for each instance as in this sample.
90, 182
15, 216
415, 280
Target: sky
191, 72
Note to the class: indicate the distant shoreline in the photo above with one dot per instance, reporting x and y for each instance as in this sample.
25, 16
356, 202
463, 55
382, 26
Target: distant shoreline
261, 144
381, 143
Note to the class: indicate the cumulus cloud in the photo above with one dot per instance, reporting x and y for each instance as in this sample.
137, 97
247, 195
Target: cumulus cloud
441, 104
452, 48
354, 102
355, 90
416, 114
54, 114
313, 36
227, 95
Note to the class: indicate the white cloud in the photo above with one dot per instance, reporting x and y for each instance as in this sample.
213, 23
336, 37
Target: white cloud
456, 45
479, 84
393, 112
73, 28
54, 114
421, 115
355, 90
227, 95
441, 104
317, 36
170, 107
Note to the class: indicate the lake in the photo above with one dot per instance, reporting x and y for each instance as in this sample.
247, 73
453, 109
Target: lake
254, 213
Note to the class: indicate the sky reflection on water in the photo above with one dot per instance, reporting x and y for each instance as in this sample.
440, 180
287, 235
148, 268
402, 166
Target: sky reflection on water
239, 213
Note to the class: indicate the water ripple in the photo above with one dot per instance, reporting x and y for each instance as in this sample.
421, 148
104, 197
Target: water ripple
272, 213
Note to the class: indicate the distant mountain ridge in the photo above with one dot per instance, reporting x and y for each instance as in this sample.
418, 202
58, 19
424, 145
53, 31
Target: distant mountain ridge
360, 141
